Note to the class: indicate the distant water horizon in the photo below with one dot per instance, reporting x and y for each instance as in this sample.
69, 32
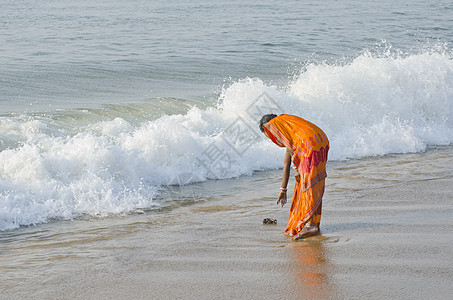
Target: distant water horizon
66, 54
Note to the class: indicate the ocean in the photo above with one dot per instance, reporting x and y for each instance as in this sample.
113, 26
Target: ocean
106, 104
132, 109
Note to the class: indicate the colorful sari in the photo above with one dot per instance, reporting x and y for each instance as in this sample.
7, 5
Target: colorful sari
308, 146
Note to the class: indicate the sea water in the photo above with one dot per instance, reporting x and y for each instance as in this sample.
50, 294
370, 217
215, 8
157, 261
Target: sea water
107, 106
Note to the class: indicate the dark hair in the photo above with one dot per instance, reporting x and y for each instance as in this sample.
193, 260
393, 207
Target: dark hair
265, 119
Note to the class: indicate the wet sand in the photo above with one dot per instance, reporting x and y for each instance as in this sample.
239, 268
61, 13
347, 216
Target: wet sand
384, 235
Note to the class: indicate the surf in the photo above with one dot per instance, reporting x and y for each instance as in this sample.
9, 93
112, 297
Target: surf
120, 158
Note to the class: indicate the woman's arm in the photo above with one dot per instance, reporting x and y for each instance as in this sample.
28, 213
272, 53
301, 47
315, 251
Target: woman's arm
286, 170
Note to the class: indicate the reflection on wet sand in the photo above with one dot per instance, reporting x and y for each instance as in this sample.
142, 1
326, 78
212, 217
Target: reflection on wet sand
312, 270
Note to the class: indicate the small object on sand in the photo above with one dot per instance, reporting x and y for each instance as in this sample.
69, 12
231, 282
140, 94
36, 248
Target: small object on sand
269, 221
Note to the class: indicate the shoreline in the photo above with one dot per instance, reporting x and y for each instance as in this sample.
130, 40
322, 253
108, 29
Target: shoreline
387, 239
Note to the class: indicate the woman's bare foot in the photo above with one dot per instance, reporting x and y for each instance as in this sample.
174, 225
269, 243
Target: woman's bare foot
307, 231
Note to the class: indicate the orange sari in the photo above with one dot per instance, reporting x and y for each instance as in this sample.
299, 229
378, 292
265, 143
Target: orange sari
308, 146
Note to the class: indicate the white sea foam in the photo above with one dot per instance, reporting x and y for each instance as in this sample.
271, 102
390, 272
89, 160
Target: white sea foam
373, 105
380, 105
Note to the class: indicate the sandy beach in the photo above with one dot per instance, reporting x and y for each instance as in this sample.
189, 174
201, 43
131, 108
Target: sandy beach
388, 239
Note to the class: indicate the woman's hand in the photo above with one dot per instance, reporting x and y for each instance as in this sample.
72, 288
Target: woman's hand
282, 198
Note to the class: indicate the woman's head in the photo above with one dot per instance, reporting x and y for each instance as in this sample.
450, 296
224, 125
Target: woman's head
265, 119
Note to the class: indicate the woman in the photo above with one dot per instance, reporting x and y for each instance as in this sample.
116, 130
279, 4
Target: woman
307, 147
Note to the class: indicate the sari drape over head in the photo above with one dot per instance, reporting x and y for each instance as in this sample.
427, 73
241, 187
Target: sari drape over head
308, 146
